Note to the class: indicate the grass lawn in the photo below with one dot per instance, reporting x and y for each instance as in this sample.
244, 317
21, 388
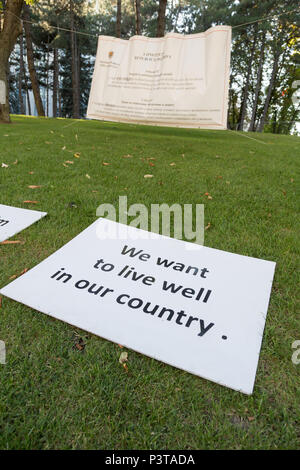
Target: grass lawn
53, 396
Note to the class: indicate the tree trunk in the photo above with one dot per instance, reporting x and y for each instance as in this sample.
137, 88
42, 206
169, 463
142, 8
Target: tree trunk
12, 28
270, 90
119, 14
161, 20
31, 67
246, 88
55, 82
21, 76
28, 101
258, 83
138, 17
75, 74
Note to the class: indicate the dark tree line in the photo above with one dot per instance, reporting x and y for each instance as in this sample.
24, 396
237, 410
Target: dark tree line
54, 64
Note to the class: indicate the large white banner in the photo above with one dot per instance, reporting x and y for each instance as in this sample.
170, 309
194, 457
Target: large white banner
179, 80
15, 219
203, 311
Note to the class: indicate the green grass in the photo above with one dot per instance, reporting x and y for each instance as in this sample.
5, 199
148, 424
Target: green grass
53, 396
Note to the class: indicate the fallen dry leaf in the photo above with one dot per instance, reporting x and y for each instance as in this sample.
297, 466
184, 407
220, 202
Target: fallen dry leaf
11, 242
208, 226
31, 172
251, 418
88, 176
69, 161
173, 164
30, 202
77, 155
123, 357
148, 176
17, 275
33, 186
4, 165
127, 156
105, 163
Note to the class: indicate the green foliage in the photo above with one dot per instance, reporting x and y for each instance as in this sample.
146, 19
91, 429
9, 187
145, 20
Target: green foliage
187, 17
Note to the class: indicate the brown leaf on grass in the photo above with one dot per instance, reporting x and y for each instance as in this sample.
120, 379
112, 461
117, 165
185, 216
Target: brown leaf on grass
30, 202
292, 180
208, 226
15, 162
251, 418
148, 176
88, 176
208, 195
69, 161
173, 164
33, 186
127, 156
18, 275
79, 345
77, 155
105, 163
219, 177
4, 165
31, 172
284, 192
11, 242
151, 164
120, 346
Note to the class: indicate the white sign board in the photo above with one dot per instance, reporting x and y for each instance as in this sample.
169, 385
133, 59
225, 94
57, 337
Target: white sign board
15, 219
178, 80
202, 311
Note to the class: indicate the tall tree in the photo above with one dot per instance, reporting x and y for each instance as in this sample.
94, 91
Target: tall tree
138, 17
55, 82
161, 20
75, 65
119, 14
21, 76
10, 29
258, 82
31, 66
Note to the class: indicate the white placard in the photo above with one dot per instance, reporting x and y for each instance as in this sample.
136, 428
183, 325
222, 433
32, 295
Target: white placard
15, 219
202, 311
178, 80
